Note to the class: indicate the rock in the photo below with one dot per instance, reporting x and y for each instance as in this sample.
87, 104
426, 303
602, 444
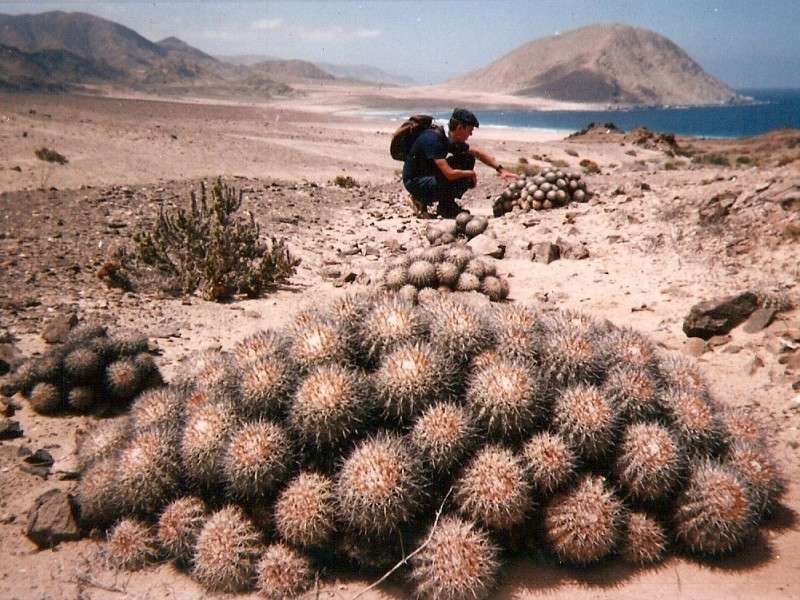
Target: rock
732, 349
38, 463
51, 520
483, 245
717, 317
719, 340
796, 386
755, 364
332, 272
791, 361
695, 347
794, 404
56, 330
9, 429
546, 253
760, 319
717, 208
10, 358
577, 251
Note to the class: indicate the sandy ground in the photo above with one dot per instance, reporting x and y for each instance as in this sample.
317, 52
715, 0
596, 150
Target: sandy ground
650, 259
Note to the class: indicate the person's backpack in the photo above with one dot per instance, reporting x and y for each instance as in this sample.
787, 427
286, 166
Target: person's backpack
407, 134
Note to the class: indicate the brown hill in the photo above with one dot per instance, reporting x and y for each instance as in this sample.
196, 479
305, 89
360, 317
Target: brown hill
290, 70
49, 70
609, 63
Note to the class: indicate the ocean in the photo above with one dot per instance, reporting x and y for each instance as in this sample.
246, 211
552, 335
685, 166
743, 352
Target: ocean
771, 109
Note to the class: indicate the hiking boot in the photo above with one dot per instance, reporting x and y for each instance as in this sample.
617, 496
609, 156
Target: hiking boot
448, 209
418, 208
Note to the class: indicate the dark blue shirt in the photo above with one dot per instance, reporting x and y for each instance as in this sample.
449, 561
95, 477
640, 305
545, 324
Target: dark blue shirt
430, 145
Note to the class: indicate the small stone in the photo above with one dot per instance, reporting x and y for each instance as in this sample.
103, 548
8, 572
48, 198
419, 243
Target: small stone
791, 361
719, 340
695, 347
794, 404
760, 319
51, 520
9, 429
546, 253
732, 349
56, 330
755, 364
483, 245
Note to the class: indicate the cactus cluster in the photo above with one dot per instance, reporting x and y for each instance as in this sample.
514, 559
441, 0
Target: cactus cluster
90, 372
447, 268
550, 189
465, 225
390, 425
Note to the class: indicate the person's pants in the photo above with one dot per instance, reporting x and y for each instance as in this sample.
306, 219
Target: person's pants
435, 188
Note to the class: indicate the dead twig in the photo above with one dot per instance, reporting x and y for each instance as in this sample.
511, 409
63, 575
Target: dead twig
410, 556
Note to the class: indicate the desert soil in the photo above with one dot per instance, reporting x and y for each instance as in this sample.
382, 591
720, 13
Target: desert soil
660, 231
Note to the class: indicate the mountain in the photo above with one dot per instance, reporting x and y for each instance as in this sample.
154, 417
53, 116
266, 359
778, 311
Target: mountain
50, 70
605, 63
365, 73
288, 70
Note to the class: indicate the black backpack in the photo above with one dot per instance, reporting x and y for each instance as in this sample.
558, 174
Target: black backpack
407, 134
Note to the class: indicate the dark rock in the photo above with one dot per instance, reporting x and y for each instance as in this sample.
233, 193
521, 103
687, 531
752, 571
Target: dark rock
546, 253
9, 429
719, 340
760, 319
717, 317
38, 463
55, 332
51, 520
796, 386
717, 208
791, 361
10, 358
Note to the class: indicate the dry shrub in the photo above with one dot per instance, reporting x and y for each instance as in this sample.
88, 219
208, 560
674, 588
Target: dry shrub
212, 249
345, 181
49, 155
589, 166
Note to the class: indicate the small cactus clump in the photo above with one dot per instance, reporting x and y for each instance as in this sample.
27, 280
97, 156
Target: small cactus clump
389, 323
330, 406
505, 398
495, 288
283, 573
158, 407
759, 471
460, 561
572, 351
586, 419
583, 524
258, 457
378, 487
550, 462
649, 461
410, 378
468, 282
83, 365
518, 332
694, 419
715, 512
458, 329
644, 540
226, 551
203, 443
442, 435
131, 545
634, 391
493, 489
46, 398
317, 340
148, 470
179, 526
266, 387
305, 511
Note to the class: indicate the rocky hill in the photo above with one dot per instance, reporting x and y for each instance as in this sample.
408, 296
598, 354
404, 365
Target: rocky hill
606, 63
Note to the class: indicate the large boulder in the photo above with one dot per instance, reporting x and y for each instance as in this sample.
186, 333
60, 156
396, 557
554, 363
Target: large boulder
717, 317
51, 520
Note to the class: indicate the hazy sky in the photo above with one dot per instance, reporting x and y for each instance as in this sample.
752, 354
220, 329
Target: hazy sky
746, 43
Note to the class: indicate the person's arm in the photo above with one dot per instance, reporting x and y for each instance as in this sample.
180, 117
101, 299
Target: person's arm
490, 161
452, 174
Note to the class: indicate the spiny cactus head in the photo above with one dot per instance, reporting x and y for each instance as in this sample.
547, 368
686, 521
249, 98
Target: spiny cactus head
83, 365
518, 332
179, 526
410, 378
448, 274
442, 435
129, 344
644, 541
634, 391
131, 545
586, 419
389, 322
158, 407
468, 282
259, 346
493, 489
757, 468
459, 329
226, 551
460, 255
572, 351
649, 461
102, 441
460, 561
679, 372
283, 572
378, 487
148, 471
475, 226
84, 333
694, 419
203, 441
629, 348
257, 459
331, 405
97, 496
267, 385
46, 398
715, 512
82, 399
583, 524
395, 278
317, 340
434, 254
408, 293
422, 274
496, 288
740, 426
505, 398
123, 380
305, 511
550, 462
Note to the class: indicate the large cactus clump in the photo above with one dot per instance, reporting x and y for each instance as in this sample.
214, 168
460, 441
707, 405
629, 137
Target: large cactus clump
467, 429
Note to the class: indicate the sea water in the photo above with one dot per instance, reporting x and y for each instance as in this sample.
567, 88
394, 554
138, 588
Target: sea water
770, 109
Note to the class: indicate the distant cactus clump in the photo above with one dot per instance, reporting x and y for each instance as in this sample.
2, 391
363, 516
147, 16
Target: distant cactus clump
431, 438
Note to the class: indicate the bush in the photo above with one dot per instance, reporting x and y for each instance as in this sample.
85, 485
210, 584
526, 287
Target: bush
48, 155
589, 166
345, 181
712, 159
209, 248
744, 160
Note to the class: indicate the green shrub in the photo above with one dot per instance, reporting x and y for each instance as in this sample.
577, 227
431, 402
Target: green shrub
744, 160
712, 159
345, 181
211, 249
48, 155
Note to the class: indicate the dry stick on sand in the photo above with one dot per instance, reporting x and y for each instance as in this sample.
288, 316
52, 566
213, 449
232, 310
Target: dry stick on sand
410, 556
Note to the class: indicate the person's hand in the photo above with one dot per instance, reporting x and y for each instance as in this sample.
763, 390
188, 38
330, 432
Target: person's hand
473, 179
508, 175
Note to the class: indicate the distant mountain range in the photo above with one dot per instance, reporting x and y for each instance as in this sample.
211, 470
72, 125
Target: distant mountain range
610, 64
615, 64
